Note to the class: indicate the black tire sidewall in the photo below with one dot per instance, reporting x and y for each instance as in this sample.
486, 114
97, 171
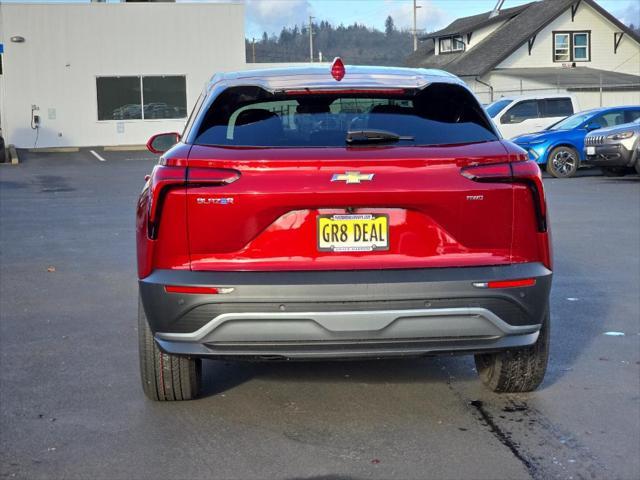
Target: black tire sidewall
491, 367
165, 377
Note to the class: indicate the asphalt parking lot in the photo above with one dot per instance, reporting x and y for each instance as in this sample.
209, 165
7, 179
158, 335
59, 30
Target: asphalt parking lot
71, 404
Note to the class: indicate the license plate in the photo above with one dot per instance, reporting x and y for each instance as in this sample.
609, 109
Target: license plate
591, 150
353, 232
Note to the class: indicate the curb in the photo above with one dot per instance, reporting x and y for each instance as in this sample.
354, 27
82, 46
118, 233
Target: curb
124, 148
13, 155
53, 150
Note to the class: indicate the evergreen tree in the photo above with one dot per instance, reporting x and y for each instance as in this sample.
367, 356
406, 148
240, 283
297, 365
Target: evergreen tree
355, 43
389, 26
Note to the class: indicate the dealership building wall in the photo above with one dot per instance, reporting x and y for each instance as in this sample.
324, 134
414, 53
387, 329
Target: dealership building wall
67, 47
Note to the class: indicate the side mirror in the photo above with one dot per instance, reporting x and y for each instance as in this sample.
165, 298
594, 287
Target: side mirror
592, 126
162, 142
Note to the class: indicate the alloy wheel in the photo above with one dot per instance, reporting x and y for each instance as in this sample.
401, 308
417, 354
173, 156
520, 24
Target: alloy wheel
564, 162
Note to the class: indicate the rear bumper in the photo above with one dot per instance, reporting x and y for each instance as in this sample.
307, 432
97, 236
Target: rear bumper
346, 314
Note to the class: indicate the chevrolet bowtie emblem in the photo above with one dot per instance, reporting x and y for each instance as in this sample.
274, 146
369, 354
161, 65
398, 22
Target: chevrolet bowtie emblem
351, 177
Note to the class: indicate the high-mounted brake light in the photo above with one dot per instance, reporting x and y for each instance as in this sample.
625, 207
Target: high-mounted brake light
348, 91
337, 69
197, 290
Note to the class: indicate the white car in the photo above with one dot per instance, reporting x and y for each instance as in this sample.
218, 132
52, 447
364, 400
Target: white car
519, 115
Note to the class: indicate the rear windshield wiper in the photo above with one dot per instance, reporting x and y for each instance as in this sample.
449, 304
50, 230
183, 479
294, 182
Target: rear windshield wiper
355, 137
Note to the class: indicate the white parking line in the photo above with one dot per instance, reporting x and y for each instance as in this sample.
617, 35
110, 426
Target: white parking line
97, 156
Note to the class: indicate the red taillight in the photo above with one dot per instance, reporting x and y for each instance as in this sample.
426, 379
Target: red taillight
526, 172
522, 282
488, 173
161, 180
172, 161
165, 178
337, 69
211, 176
192, 290
529, 172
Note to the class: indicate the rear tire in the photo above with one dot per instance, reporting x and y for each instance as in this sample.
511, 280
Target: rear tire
563, 162
518, 369
165, 377
637, 166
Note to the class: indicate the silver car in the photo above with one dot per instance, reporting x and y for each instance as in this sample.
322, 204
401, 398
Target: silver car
615, 149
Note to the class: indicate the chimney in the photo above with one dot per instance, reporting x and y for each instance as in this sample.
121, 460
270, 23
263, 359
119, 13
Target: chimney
496, 9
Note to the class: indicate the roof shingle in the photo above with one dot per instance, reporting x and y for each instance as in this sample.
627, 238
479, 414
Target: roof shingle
469, 24
523, 22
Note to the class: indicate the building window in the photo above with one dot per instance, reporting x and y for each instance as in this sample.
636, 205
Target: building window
118, 98
561, 52
141, 97
571, 46
581, 47
451, 44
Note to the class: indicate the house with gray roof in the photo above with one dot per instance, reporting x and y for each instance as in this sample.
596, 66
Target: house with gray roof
546, 46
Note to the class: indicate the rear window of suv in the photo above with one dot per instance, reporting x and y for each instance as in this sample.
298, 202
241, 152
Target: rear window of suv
440, 114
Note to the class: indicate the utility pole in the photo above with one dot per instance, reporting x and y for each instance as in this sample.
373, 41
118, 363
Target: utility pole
415, 27
311, 38
253, 49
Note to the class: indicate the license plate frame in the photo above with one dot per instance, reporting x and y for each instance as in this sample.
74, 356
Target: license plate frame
353, 219
591, 150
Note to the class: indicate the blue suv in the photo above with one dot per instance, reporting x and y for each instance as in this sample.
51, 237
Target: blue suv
561, 146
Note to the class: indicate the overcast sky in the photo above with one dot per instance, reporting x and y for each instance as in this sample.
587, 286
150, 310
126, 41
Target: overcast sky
272, 15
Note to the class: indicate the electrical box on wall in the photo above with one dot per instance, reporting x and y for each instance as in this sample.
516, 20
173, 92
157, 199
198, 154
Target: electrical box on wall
35, 116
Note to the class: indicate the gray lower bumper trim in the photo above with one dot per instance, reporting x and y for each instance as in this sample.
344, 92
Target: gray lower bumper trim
351, 325
344, 350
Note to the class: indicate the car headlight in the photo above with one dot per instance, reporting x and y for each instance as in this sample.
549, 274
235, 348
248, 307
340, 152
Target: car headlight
620, 136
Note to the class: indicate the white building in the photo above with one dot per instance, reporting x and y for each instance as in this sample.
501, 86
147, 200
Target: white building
545, 46
110, 74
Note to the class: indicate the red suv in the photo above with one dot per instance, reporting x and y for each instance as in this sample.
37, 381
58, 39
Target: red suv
316, 213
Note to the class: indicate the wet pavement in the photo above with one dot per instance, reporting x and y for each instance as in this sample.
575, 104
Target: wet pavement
71, 405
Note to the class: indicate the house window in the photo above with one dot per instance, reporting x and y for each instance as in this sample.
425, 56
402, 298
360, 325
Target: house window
561, 49
451, 44
141, 97
581, 47
571, 46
